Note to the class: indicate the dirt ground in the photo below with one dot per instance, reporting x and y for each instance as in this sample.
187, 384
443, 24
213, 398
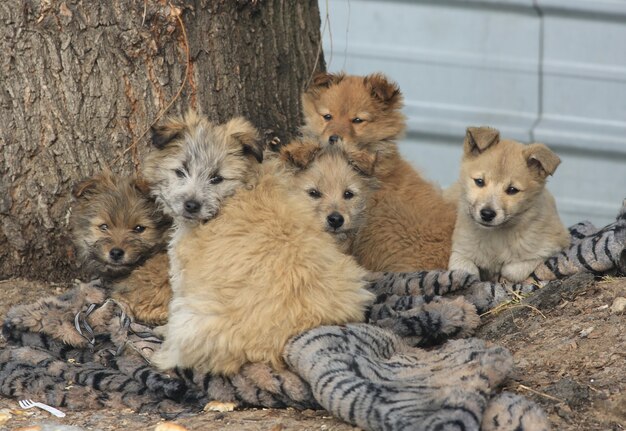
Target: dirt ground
569, 346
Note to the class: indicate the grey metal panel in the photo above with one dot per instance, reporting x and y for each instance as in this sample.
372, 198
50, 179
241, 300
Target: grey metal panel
584, 83
583, 105
454, 64
510, 65
605, 9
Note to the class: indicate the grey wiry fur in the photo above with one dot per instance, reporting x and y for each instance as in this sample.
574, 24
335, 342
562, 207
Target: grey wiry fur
187, 165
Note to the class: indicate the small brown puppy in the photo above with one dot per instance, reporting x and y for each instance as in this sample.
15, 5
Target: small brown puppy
261, 270
120, 237
507, 222
409, 223
338, 184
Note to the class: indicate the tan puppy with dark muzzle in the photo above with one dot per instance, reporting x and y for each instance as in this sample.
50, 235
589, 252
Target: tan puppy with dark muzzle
507, 222
260, 268
409, 223
338, 184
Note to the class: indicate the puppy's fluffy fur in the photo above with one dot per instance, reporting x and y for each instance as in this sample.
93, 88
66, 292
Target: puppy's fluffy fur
409, 223
120, 236
196, 165
261, 271
507, 222
337, 182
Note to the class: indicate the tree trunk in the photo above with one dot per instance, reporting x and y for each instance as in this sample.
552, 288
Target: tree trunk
81, 81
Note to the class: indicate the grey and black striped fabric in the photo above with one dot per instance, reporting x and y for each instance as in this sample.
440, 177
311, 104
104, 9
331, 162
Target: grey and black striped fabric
376, 375
364, 374
369, 377
600, 251
410, 287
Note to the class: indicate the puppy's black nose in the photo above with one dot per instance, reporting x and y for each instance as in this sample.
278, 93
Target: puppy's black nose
192, 206
487, 214
333, 139
335, 220
116, 254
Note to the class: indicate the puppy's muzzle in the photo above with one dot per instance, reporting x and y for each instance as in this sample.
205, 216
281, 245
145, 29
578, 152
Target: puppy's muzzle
116, 254
192, 206
487, 214
335, 220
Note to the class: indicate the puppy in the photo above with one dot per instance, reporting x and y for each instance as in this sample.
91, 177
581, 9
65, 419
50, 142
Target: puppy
120, 237
194, 167
409, 223
507, 222
261, 270
337, 183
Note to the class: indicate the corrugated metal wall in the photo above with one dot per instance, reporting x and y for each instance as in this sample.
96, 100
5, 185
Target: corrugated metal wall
551, 71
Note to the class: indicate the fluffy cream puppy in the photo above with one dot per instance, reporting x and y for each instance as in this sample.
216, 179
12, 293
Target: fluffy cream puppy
261, 271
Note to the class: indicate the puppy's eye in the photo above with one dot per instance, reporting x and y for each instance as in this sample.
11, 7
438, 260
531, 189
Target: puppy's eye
179, 173
104, 227
314, 193
357, 120
512, 191
216, 179
139, 228
327, 117
479, 182
348, 194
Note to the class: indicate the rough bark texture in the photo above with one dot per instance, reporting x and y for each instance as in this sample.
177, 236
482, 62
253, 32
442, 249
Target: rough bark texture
82, 80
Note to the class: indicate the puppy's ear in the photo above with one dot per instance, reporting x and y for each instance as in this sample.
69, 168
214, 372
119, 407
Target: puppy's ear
384, 90
325, 80
89, 185
171, 129
246, 135
478, 139
85, 187
320, 82
141, 184
541, 159
300, 153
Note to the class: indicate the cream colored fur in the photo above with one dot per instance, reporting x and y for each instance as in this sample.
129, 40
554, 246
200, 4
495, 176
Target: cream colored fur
525, 229
259, 273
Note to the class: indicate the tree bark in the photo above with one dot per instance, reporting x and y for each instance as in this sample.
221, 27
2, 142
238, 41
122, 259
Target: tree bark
81, 81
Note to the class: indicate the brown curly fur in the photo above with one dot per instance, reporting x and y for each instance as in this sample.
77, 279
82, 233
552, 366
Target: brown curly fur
106, 216
409, 223
146, 291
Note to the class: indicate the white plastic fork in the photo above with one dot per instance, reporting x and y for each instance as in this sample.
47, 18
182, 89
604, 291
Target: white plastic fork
26, 404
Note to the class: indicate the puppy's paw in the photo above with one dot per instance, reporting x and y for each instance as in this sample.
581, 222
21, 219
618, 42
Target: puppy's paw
218, 406
517, 272
458, 262
160, 331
